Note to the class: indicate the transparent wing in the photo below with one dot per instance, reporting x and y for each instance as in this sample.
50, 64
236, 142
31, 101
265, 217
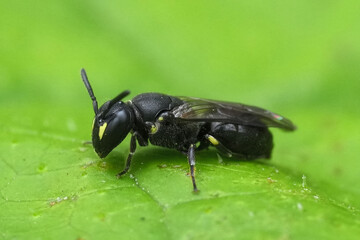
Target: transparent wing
204, 110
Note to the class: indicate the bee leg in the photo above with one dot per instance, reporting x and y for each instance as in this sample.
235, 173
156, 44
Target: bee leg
203, 145
128, 161
219, 146
191, 159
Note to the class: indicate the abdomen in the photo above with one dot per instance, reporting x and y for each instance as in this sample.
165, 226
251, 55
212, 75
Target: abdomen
244, 141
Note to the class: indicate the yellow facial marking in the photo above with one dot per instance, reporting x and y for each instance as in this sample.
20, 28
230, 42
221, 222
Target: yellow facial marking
102, 130
213, 140
160, 119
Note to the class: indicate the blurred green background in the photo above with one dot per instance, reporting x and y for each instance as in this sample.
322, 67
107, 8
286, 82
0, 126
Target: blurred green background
297, 58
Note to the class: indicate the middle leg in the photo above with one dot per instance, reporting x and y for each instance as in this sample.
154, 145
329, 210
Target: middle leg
191, 159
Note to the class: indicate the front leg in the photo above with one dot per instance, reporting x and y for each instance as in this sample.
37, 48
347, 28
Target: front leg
191, 159
132, 151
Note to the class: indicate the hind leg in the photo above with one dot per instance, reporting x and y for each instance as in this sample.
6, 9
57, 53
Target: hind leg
219, 146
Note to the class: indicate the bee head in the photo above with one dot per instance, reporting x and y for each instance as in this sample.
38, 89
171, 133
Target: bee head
112, 122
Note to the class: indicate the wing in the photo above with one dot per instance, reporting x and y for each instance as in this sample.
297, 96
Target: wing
204, 110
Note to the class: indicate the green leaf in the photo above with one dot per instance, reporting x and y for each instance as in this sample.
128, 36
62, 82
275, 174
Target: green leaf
298, 59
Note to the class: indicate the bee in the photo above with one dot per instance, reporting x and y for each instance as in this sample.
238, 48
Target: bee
186, 124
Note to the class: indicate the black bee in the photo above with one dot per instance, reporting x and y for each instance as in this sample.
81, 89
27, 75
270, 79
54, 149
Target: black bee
186, 124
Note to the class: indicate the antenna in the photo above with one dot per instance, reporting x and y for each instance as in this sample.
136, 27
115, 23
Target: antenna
88, 87
119, 97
